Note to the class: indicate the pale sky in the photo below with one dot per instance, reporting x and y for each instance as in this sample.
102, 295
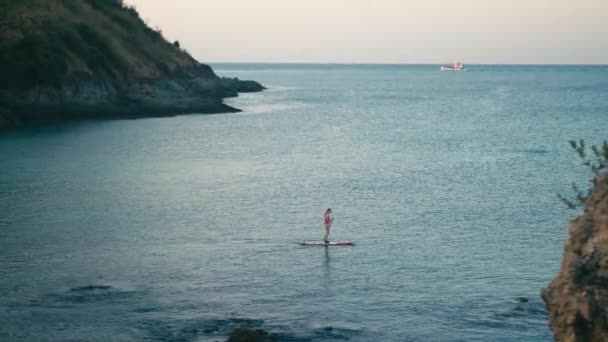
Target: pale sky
385, 31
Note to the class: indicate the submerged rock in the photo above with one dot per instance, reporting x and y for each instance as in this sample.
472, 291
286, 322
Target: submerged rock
91, 288
243, 334
577, 298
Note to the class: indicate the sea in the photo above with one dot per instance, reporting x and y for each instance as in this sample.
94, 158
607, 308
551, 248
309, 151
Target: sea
185, 228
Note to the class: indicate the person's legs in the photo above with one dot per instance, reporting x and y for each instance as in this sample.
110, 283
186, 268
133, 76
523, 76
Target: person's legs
326, 238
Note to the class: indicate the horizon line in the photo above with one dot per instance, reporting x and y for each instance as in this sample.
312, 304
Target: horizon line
403, 63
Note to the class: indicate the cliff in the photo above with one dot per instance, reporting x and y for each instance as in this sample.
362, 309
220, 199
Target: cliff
72, 59
577, 298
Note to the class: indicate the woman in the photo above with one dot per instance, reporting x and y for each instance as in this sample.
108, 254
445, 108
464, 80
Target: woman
328, 219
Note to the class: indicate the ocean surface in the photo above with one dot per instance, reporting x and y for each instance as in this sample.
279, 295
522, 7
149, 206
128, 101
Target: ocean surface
184, 228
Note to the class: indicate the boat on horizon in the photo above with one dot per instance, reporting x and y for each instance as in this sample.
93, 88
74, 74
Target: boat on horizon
456, 66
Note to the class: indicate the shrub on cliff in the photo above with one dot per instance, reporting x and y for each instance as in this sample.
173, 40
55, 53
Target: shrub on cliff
596, 160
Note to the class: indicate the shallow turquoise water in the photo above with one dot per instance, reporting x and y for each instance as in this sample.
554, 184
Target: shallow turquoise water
183, 228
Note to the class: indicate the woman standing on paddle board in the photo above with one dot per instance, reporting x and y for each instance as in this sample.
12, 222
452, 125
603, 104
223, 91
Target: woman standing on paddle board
327, 219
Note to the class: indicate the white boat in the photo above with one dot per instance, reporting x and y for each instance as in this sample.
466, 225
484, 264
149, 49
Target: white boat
453, 67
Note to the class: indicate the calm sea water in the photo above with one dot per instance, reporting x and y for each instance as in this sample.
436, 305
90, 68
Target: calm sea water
181, 229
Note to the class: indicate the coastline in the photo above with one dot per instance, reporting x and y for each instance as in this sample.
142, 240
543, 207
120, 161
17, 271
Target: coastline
195, 90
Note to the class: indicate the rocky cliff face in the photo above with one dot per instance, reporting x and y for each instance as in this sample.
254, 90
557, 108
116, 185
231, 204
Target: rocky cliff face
577, 298
65, 59
194, 89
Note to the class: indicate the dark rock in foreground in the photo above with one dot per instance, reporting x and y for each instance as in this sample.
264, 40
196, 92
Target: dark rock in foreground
577, 298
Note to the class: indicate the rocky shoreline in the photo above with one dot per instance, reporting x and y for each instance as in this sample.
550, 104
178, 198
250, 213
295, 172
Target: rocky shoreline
188, 90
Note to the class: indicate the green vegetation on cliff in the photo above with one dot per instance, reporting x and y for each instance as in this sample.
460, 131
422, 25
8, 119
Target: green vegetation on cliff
596, 160
44, 41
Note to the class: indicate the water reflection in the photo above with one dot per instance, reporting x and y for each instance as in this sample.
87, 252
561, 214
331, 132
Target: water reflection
327, 259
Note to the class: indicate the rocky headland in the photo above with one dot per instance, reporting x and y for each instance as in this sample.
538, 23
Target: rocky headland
577, 298
96, 59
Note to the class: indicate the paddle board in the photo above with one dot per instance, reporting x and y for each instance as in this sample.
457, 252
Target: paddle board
332, 243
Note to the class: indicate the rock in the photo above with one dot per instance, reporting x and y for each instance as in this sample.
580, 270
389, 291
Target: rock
240, 86
91, 288
577, 298
244, 334
5, 118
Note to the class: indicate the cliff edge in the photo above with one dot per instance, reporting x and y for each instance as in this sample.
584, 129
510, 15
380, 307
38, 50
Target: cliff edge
67, 59
577, 298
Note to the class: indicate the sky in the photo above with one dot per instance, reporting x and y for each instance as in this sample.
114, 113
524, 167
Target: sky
385, 31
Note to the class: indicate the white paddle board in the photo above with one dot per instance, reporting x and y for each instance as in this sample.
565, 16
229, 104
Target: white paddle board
321, 243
